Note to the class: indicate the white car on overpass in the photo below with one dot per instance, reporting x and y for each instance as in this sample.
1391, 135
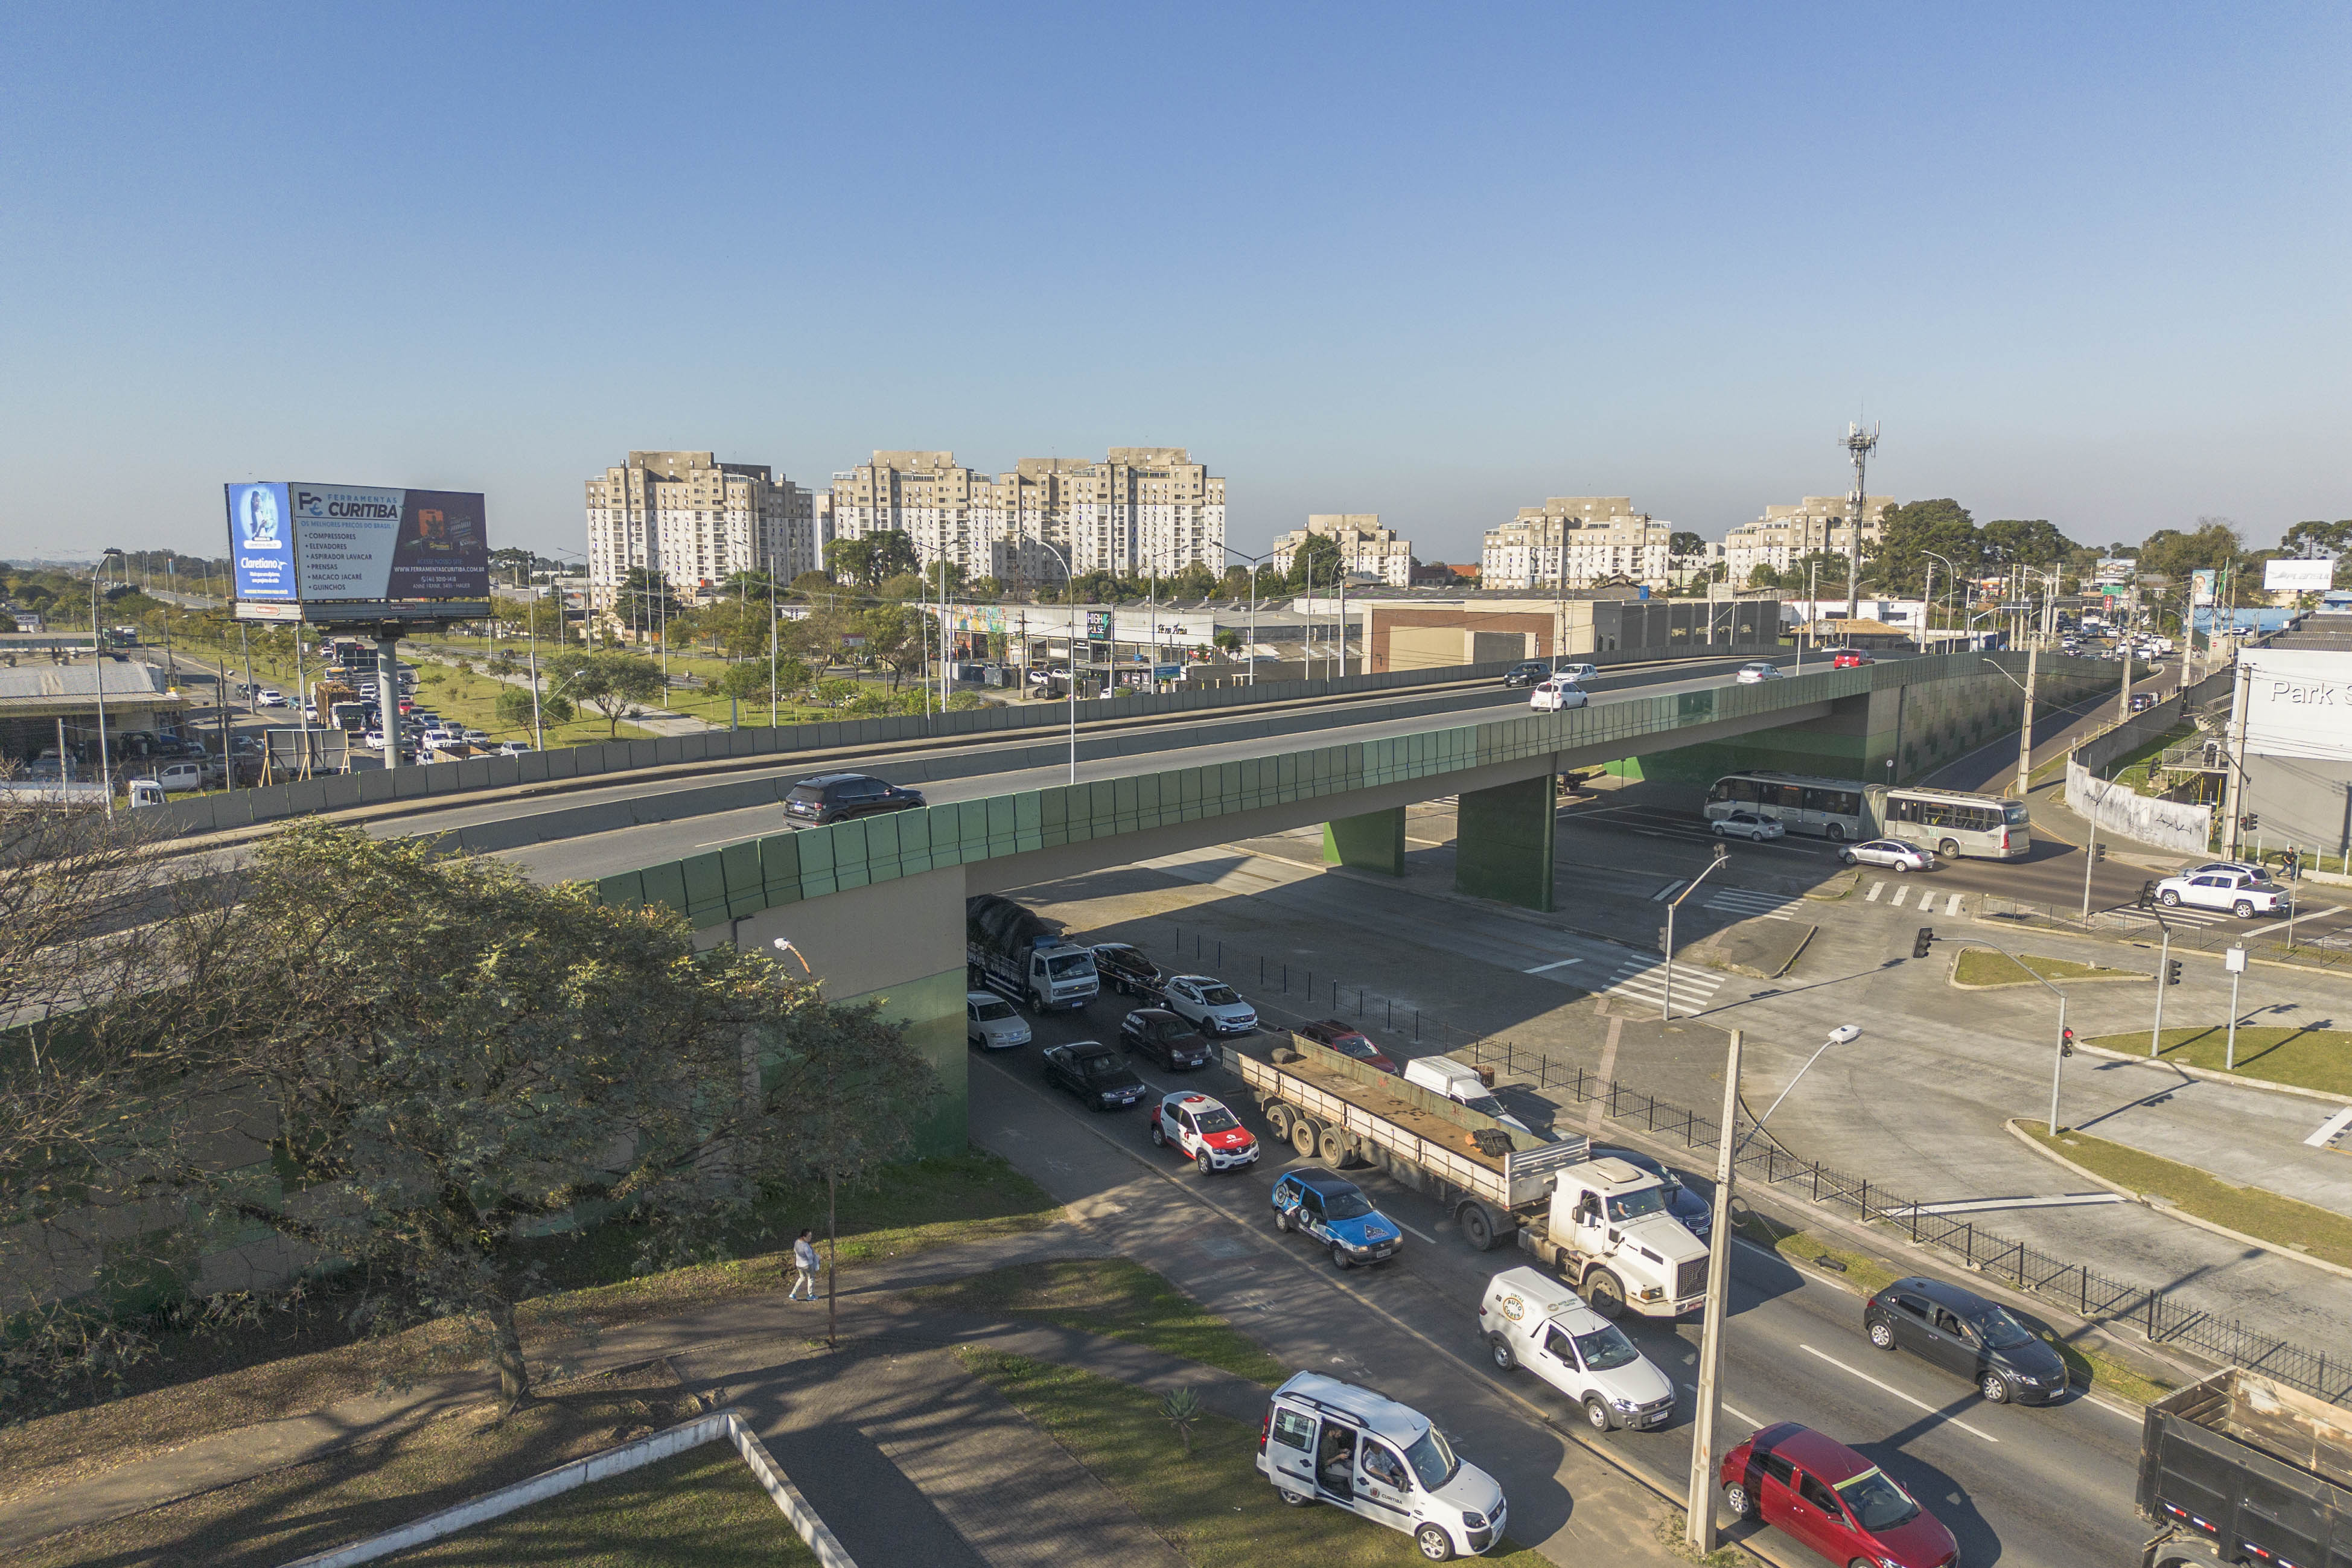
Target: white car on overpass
1559, 692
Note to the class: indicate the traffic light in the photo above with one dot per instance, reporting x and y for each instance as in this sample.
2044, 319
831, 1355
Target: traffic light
2248, 822
2147, 893
2172, 972
1919, 943
2098, 853
2065, 1042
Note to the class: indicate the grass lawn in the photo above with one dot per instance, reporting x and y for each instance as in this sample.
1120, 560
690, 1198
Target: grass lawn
1215, 1508
701, 1509
1869, 1274
371, 1487
2307, 1058
1981, 967
298, 1360
1113, 1297
2131, 770
2281, 1221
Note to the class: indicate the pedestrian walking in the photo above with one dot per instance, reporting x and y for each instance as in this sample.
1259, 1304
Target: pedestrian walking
806, 1263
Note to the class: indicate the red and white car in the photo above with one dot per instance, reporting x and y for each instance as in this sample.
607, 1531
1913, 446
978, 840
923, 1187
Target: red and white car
1202, 1130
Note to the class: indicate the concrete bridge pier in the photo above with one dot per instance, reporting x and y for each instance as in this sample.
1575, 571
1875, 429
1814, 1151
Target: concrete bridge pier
1371, 842
1503, 842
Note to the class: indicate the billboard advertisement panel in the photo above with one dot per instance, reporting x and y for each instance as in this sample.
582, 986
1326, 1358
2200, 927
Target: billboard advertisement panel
2298, 576
2115, 568
325, 544
2200, 587
2298, 703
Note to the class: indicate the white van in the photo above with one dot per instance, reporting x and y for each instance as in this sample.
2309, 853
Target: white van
1531, 1320
1462, 1085
1328, 1441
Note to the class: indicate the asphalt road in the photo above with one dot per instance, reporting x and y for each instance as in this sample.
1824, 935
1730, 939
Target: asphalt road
2015, 1484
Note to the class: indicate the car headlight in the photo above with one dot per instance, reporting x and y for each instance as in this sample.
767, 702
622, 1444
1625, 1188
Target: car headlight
1626, 1404
1472, 1520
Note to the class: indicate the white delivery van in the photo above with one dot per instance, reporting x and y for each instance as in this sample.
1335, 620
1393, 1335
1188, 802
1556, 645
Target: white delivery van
1462, 1085
1531, 1320
1328, 1441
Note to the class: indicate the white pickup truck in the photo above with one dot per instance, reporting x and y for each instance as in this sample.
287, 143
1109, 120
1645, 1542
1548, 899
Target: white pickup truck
1531, 1320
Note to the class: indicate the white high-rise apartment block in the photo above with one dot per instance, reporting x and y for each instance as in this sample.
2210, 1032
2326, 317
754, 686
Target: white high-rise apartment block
1365, 549
1785, 535
1140, 510
1589, 539
696, 520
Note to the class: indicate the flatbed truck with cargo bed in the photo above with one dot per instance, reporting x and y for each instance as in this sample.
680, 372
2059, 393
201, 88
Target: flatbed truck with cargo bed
1011, 952
2241, 1470
1603, 1225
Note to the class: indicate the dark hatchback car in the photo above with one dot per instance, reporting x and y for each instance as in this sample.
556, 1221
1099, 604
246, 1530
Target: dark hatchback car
1348, 1042
1697, 1215
837, 798
1095, 1073
1535, 672
1969, 1336
1832, 1499
1125, 969
1164, 1038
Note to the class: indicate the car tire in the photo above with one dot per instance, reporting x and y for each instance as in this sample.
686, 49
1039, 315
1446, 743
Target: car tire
1881, 1334
1948, 849
1282, 1221
1158, 1137
2169, 898
1739, 1500
1596, 1413
1994, 1387
1605, 1293
1339, 1256
1434, 1543
2242, 910
1903, 866
1296, 1500
1200, 1159
1845, 857
1499, 1351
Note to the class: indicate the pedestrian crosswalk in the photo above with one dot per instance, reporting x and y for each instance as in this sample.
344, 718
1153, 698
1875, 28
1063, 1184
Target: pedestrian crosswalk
1903, 891
1643, 978
1743, 904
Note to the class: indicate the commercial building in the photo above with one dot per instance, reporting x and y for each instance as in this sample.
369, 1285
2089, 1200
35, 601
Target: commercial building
41, 702
1140, 511
2290, 704
697, 522
1426, 632
1365, 549
1787, 534
1586, 539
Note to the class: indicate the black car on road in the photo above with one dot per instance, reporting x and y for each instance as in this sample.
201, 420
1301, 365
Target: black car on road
1164, 1038
1534, 672
1969, 1336
1095, 1073
1124, 968
837, 798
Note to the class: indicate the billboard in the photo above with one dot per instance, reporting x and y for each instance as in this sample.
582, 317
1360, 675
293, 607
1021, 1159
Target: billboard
2298, 703
2298, 576
2115, 568
330, 545
2200, 587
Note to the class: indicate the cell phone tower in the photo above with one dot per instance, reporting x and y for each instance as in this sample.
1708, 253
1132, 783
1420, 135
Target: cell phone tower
1859, 444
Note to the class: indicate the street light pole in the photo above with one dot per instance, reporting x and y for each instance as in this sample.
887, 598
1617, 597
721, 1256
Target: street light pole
1069, 589
1249, 655
1666, 1008
98, 671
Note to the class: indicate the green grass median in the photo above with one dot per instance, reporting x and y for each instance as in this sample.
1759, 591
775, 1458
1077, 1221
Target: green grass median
2267, 1053
2279, 1221
1982, 966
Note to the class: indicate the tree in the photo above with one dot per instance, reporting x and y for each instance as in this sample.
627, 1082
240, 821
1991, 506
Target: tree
738, 626
2008, 542
514, 709
808, 585
614, 683
1235, 584
749, 681
896, 639
1317, 560
872, 558
2215, 546
1195, 582
451, 1056
1686, 544
1914, 534
644, 599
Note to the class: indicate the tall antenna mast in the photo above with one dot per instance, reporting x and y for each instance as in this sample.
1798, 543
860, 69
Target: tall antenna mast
1859, 444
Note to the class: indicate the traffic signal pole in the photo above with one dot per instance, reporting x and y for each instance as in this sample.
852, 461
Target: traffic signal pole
2163, 979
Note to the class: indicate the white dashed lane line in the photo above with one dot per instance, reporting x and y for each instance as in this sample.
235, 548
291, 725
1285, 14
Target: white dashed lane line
1890, 1388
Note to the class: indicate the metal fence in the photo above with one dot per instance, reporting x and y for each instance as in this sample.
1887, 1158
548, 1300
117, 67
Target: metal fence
2153, 1310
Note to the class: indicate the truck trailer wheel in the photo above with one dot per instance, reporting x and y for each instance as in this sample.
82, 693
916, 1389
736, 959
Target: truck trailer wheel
1278, 1117
1478, 1226
1605, 1293
1331, 1145
1304, 1136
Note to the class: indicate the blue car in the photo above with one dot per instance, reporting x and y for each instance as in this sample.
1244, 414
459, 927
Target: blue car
1335, 1212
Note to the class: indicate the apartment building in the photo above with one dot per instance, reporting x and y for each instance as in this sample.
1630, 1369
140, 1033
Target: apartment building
1589, 538
1786, 534
1365, 547
1138, 511
696, 520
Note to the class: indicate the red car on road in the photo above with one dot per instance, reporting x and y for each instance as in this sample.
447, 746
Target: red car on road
1348, 1041
1850, 658
1832, 1499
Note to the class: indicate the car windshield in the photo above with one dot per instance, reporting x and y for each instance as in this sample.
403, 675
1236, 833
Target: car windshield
1637, 1206
1606, 1349
1486, 1105
1104, 1066
1354, 1045
1345, 1202
989, 1012
1432, 1459
806, 793
2000, 1330
1217, 1120
1875, 1502
1064, 965
1218, 995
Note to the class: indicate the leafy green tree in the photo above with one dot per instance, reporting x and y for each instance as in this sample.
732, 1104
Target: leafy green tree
1915, 534
2214, 546
1686, 544
749, 681
1195, 582
871, 559
896, 639
809, 585
514, 710
644, 599
2007, 541
452, 1057
1316, 561
614, 683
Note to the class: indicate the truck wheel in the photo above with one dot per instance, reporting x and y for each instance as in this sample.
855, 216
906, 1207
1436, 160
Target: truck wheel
1605, 1293
1331, 1145
1277, 1116
1434, 1543
1949, 848
1596, 1413
1498, 1346
1478, 1226
1305, 1135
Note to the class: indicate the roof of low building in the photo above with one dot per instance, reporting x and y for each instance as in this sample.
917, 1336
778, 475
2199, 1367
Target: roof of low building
77, 685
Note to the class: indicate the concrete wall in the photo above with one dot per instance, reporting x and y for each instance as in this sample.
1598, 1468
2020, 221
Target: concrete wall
2177, 825
2302, 801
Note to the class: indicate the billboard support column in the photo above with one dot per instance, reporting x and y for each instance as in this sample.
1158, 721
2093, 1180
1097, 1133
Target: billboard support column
387, 697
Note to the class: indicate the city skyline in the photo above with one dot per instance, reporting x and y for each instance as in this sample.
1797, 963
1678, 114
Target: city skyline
1365, 268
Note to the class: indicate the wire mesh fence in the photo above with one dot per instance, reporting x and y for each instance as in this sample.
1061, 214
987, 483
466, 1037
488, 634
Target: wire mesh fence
2153, 1310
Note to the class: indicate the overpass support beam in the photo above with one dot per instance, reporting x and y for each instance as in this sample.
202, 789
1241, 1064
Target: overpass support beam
898, 942
1372, 842
1502, 843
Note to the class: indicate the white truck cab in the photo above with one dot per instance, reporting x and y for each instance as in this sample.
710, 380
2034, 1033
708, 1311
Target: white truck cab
1610, 1222
1332, 1442
1462, 1085
1531, 1320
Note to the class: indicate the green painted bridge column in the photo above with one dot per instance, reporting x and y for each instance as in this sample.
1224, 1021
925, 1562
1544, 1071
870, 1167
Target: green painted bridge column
1372, 842
1503, 841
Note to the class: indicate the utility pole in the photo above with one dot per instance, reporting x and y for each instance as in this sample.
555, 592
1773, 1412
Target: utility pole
1698, 1515
2233, 804
1859, 444
2025, 726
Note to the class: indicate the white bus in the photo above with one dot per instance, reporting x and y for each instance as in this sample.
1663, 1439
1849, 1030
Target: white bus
1953, 823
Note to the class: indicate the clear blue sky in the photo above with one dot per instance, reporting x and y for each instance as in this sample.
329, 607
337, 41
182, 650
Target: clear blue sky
2087, 263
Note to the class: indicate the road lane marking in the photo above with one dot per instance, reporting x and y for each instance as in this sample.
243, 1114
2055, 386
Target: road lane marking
1728, 1407
2330, 1127
1953, 908
1898, 1394
1985, 1206
1875, 889
1542, 968
1901, 893
1668, 891
1409, 1230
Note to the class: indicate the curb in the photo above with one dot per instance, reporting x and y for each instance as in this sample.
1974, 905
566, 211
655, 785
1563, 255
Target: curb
2210, 1075
2165, 1207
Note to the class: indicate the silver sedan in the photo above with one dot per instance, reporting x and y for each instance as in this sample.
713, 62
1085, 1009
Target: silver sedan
1891, 852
